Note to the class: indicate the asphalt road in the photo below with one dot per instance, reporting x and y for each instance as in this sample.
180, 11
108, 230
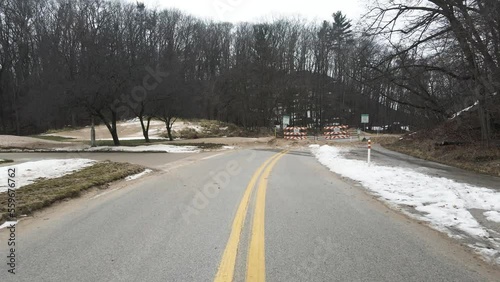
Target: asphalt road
241, 215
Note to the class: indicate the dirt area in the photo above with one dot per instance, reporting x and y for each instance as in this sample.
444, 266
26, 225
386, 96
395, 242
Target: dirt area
132, 130
130, 133
20, 142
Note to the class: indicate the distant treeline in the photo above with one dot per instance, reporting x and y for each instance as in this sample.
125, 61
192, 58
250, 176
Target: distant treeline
63, 62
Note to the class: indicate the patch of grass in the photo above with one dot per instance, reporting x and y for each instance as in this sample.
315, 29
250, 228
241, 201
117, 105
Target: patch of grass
2, 161
45, 192
128, 143
472, 157
384, 139
67, 128
52, 138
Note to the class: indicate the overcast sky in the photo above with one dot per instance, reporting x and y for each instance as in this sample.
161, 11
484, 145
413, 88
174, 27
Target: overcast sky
258, 10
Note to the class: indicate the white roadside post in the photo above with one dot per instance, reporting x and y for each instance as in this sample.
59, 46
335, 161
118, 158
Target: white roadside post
92, 134
369, 151
365, 119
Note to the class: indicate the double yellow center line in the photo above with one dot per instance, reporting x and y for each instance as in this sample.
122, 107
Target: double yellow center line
256, 267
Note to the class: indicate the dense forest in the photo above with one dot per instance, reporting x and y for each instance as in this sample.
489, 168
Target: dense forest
414, 63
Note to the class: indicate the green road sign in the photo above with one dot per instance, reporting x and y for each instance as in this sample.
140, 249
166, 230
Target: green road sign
365, 118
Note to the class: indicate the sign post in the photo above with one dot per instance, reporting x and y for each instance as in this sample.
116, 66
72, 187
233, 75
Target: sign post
365, 118
369, 151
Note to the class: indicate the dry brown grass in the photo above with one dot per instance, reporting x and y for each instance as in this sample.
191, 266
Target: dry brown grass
473, 157
44, 193
215, 129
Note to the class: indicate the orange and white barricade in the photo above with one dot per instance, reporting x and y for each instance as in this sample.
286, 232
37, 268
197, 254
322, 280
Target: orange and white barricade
295, 133
336, 132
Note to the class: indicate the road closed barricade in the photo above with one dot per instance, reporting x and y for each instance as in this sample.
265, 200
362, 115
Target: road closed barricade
295, 133
336, 132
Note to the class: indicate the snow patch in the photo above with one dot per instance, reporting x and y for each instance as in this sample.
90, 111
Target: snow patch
7, 224
139, 175
152, 138
488, 253
134, 120
150, 148
27, 173
492, 216
464, 110
441, 202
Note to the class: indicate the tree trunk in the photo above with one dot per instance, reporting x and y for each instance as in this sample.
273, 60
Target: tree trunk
18, 123
114, 134
145, 127
485, 122
169, 132
170, 124
111, 126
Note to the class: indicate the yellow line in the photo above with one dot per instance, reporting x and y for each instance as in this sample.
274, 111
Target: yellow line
225, 272
256, 261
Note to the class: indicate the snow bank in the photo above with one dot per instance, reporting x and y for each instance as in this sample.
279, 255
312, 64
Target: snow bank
152, 138
139, 175
144, 148
8, 224
27, 173
442, 202
150, 148
492, 216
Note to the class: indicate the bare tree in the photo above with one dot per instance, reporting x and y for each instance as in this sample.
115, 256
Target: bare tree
432, 28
